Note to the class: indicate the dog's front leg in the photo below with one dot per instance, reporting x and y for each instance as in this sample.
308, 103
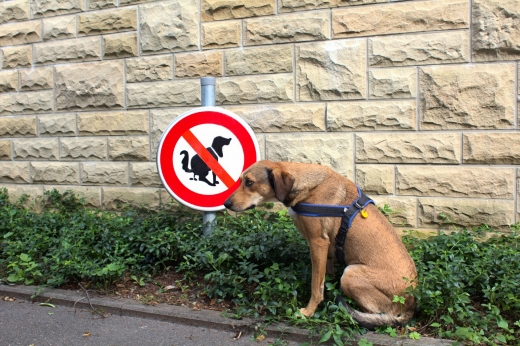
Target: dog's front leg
319, 248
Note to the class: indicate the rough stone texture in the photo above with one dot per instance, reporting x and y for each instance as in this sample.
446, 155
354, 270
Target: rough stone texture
120, 45
91, 195
467, 97
375, 179
113, 123
492, 148
332, 70
200, 64
271, 59
169, 26
392, 83
300, 5
400, 18
167, 201
283, 118
16, 10
55, 173
8, 81
116, 197
93, 85
36, 79
144, 174
419, 49
18, 126
27, 102
47, 8
255, 89
20, 33
101, 4
83, 149
129, 149
160, 119
465, 213
305, 26
36, 149
439, 148
148, 69
221, 34
16, 192
230, 9
14, 172
333, 150
57, 125
59, 28
163, 94
403, 210
476, 182
104, 22
80, 49
371, 115
496, 30
5, 149
104, 173
16, 57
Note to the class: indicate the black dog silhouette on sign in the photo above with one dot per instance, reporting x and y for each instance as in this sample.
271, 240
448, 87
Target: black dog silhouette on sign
199, 167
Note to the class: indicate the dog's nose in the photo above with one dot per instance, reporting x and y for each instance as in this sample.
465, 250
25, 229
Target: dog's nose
228, 204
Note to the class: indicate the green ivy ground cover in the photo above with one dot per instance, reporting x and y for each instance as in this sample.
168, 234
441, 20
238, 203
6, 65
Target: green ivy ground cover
468, 287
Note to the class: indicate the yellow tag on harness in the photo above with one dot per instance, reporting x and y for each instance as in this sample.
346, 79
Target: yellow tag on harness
364, 213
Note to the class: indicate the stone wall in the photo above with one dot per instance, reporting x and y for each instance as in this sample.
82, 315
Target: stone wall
416, 101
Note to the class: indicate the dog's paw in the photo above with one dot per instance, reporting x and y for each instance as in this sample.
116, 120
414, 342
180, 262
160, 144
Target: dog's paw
306, 312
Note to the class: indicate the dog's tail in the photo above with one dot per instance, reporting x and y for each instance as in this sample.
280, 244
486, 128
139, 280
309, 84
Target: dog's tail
185, 162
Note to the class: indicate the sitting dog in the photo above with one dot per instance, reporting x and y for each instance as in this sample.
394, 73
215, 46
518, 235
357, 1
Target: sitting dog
378, 265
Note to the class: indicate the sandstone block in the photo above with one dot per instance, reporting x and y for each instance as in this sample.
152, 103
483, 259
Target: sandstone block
305, 26
101, 4
5, 150
163, 94
221, 34
492, 148
230, 9
14, 172
255, 89
36, 79
90, 86
90, 195
439, 148
371, 115
334, 70
392, 83
129, 149
104, 173
270, 59
18, 126
27, 102
74, 148
16, 10
36, 149
332, 150
302, 5
20, 33
160, 119
474, 182
467, 97
200, 64
283, 118
403, 212
113, 123
375, 179
116, 197
17, 192
496, 30
80, 49
465, 213
57, 125
48, 8
148, 69
400, 18
120, 45
419, 49
167, 201
16, 57
55, 173
169, 26
58, 28
8, 81
107, 21
144, 174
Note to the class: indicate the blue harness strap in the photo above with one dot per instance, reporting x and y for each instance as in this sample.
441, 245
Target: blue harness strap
347, 214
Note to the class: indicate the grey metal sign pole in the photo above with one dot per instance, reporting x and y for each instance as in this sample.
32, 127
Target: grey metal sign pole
207, 88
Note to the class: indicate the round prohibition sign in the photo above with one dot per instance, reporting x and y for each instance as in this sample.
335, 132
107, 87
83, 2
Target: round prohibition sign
201, 155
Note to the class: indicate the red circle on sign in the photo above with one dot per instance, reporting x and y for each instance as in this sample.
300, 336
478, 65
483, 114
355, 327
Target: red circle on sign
204, 115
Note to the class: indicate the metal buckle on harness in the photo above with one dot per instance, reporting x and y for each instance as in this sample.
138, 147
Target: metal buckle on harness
358, 205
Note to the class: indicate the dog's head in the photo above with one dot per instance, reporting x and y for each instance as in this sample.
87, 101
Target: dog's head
218, 143
264, 181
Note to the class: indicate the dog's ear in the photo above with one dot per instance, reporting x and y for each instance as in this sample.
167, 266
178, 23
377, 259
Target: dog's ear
281, 182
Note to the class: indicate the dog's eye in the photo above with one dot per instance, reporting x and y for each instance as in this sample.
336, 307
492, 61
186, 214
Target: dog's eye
249, 182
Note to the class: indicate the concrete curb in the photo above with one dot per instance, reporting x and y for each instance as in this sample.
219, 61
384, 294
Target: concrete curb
183, 315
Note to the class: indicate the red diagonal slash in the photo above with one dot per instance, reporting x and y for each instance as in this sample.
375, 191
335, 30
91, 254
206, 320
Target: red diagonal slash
206, 156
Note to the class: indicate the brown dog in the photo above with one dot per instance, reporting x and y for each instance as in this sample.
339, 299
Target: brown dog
379, 267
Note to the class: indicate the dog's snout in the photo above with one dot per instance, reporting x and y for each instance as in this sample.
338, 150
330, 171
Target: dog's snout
228, 203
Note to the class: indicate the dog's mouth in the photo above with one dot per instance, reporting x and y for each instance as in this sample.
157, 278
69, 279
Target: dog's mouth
250, 207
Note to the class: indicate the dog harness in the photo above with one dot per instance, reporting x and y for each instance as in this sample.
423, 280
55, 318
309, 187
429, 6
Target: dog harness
347, 214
